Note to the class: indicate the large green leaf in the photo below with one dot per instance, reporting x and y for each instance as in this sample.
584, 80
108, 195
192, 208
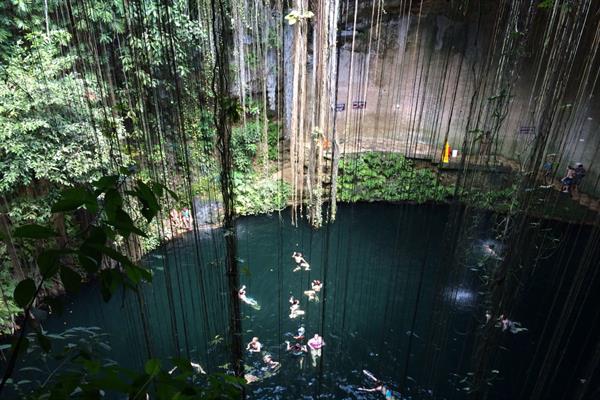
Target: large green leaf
152, 366
34, 231
47, 262
70, 279
24, 292
73, 198
124, 224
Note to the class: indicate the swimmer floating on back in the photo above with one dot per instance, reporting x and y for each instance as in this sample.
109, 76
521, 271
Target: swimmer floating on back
381, 388
248, 300
295, 310
300, 262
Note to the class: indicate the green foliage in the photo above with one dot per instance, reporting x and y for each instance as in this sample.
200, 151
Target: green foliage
45, 128
296, 15
500, 200
254, 195
8, 308
78, 370
245, 141
73, 364
388, 177
546, 4
273, 138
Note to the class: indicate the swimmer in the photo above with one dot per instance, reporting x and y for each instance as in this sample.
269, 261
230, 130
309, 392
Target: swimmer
316, 286
489, 249
315, 344
249, 378
508, 325
300, 262
312, 295
268, 360
248, 300
381, 388
296, 349
195, 366
488, 317
295, 310
254, 346
301, 332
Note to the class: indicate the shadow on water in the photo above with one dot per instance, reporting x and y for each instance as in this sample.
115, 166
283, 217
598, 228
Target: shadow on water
376, 312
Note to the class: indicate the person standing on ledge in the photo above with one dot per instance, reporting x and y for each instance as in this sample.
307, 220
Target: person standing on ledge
579, 174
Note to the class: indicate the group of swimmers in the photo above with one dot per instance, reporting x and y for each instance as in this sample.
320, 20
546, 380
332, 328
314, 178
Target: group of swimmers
299, 347
572, 180
181, 220
314, 345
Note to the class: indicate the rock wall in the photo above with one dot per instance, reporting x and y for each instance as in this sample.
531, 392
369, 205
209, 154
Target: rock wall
412, 80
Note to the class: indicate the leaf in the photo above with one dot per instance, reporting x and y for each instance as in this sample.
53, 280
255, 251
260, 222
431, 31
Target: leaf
70, 279
73, 198
146, 196
44, 342
24, 292
112, 201
89, 264
124, 224
47, 263
106, 182
34, 231
152, 367
159, 189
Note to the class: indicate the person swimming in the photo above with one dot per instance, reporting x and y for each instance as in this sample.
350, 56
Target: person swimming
380, 387
300, 262
301, 332
254, 346
316, 344
316, 286
295, 310
490, 250
248, 300
508, 325
296, 349
270, 363
195, 366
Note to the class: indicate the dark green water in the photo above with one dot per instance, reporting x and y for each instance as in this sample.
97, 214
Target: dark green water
381, 266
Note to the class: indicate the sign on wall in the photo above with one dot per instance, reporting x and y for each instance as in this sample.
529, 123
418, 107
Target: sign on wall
359, 105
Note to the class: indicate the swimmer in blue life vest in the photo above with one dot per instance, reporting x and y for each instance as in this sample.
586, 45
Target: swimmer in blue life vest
248, 300
381, 388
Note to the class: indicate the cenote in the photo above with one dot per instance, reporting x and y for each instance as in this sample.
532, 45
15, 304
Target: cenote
385, 306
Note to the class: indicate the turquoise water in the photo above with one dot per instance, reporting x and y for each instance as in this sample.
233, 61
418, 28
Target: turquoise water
388, 305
